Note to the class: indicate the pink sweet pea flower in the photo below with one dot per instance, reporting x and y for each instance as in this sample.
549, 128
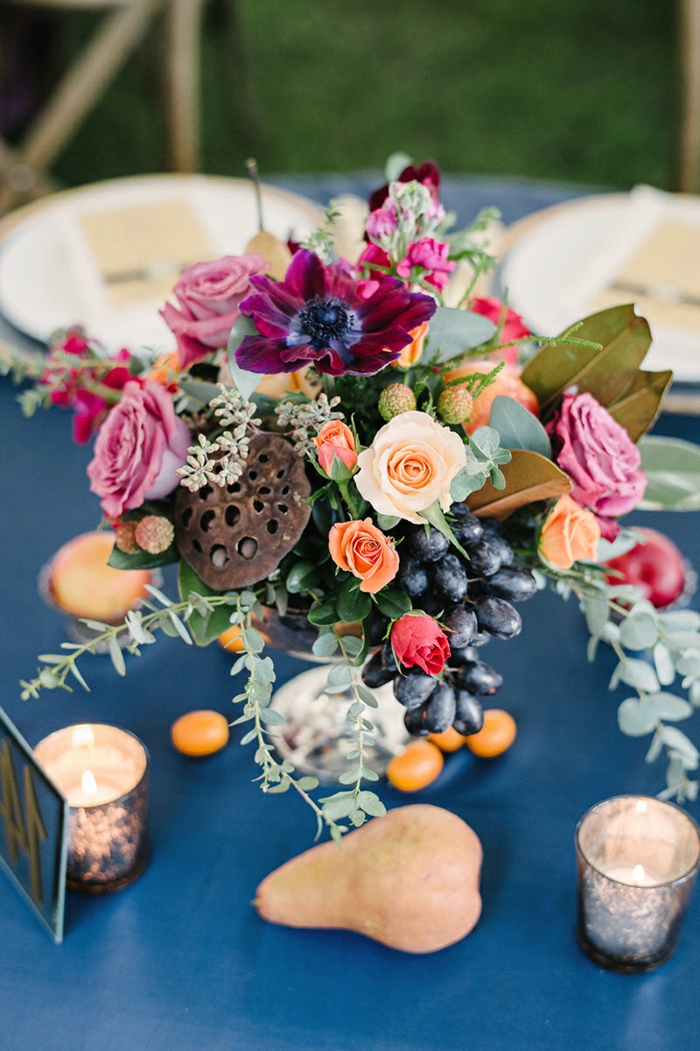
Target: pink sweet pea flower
431, 256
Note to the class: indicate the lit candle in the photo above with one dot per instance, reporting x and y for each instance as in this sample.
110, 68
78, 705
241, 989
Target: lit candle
637, 864
103, 773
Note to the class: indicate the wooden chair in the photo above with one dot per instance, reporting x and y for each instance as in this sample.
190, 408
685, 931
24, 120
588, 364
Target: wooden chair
689, 175
23, 170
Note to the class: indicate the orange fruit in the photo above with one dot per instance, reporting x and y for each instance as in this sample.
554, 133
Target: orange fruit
231, 639
81, 583
417, 766
200, 733
448, 741
507, 382
496, 735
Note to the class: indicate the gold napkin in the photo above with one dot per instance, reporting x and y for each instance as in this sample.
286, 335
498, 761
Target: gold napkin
141, 250
663, 278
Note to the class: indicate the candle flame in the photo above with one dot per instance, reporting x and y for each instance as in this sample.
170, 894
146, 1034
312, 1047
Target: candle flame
641, 806
83, 736
638, 873
89, 785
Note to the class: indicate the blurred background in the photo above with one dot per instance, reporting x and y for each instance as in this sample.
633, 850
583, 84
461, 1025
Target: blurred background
584, 91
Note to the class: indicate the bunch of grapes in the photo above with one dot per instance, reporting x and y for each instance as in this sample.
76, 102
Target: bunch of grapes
472, 598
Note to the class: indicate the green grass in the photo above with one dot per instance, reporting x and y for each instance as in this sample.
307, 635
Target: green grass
580, 90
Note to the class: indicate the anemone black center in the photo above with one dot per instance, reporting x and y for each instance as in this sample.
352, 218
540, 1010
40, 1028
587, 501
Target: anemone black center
324, 320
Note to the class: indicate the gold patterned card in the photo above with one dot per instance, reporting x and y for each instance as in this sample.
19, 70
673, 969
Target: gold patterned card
663, 278
141, 250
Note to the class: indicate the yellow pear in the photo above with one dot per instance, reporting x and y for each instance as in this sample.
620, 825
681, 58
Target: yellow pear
273, 251
409, 879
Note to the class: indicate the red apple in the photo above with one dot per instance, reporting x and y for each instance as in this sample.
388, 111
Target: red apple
656, 567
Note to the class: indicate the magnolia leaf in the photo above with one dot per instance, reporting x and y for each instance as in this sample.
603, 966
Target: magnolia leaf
607, 373
640, 404
453, 331
518, 428
245, 381
205, 629
672, 467
529, 477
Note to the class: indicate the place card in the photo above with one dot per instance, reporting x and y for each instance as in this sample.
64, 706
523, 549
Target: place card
33, 825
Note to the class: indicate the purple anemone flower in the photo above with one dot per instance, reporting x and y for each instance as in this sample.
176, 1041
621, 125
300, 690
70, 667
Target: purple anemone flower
316, 316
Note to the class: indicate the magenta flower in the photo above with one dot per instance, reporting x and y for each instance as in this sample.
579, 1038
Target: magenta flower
430, 256
318, 316
428, 173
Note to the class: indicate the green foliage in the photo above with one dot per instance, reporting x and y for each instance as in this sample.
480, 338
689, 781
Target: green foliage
517, 428
452, 332
206, 621
672, 467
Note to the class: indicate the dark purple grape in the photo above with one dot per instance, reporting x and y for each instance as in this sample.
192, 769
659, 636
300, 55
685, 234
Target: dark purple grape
375, 674
480, 678
378, 628
415, 721
502, 546
467, 528
460, 654
450, 578
413, 688
428, 545
469, 716
491, 526
484, 558
516, 585
461, 626
480, 639
388, 658
430, 604
412, 576
498, 617
440, 710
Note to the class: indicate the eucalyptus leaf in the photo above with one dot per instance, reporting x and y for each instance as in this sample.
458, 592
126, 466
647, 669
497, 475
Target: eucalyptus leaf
325, 645
386, 522
395, 165
638, 633
639, 674
307, 783
271, 717
454, 331
670, 707
676, 740
672, 469
681, 620
117, 656
636, 718
371, 802
663, 662
205, 627
596, 610
518, 428
245, 381
682, 640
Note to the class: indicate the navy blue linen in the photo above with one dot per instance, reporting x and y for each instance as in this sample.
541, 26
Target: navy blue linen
180, 961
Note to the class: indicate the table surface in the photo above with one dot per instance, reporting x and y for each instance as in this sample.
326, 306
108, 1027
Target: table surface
180, 961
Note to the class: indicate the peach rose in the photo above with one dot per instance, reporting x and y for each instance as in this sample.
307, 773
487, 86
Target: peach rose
335, 439
363, 550
276, 386
410, 465
410, 355
569, 533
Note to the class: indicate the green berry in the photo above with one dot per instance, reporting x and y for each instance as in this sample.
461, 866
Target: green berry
395, 399
455, 404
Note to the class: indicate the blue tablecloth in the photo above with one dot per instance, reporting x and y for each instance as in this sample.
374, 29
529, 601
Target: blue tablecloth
180, 961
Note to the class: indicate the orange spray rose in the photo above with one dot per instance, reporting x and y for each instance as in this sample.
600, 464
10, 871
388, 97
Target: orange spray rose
335, 439
363, 550
569, 533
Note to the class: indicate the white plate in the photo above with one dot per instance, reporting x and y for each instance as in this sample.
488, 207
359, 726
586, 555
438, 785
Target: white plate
49, 277
563, 260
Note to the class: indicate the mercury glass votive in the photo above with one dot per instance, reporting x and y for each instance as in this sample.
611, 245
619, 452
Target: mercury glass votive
637, 864
103, 773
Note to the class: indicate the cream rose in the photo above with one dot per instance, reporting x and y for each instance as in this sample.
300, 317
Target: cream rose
410, 465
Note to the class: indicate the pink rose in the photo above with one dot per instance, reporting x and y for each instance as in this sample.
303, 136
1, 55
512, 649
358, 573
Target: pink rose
431, 255
209, 295
138, 449
419, 640
600, 458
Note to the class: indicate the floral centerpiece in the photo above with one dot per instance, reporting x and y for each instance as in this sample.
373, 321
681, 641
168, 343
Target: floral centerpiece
340, 443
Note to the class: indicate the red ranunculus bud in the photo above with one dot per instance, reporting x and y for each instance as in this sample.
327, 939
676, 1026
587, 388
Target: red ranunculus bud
420, 640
